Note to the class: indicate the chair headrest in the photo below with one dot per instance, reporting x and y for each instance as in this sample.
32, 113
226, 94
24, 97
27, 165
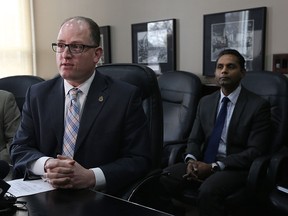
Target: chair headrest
143, 77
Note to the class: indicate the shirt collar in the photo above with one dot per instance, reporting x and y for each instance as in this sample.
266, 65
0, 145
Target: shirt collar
232, 96
84, 87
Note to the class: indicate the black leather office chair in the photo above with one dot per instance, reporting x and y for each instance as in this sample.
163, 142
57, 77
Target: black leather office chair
278, 183
250, 199
273, 87
180, 92
18, 85
145, 78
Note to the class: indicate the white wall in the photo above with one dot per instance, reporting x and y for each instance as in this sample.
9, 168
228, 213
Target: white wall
120, 14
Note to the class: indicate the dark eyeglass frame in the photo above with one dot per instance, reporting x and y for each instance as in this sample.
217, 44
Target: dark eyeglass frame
73, 50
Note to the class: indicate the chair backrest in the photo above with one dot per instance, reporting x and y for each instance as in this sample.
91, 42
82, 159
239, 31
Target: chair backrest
145, 79
180, 92
18, 86
273, 87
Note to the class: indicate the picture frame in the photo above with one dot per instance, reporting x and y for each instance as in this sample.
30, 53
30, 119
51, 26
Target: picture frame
243, 30
105, 43
154, 45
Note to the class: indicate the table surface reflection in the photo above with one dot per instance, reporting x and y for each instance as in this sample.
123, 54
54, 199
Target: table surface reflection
81, 203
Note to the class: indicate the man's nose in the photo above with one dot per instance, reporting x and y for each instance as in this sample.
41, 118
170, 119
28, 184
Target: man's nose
66, 52
224, 69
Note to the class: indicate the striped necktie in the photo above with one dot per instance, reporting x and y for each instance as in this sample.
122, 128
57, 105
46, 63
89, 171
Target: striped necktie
213, 144
71, 123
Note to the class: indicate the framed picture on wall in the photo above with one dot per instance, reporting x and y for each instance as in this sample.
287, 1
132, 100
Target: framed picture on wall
243, 30
105, 43
154, 45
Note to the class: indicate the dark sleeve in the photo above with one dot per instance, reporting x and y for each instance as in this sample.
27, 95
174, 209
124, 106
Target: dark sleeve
134, 161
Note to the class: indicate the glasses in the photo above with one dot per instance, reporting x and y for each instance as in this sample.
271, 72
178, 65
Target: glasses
73, 48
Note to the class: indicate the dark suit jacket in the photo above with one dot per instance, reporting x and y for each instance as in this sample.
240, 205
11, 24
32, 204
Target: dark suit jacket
248, 133
113, 132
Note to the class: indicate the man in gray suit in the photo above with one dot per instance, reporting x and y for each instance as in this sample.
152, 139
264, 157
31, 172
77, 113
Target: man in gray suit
9, 121
244, 137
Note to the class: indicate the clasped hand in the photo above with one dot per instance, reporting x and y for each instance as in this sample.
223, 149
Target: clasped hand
64, 172
197, 171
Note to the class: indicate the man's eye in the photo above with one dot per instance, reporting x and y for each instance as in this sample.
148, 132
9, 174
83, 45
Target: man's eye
75, 46
231, 66
60, 45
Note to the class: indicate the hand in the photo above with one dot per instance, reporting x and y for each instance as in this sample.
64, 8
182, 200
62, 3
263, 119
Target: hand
64, 172
204, 170
191, 171
197, 171
58, 171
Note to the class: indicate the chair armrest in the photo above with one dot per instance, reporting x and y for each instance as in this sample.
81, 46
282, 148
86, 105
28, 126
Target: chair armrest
277, 168
172, 152
176, 153
279, 201
263, 172
131, 193
277, 176
257, 174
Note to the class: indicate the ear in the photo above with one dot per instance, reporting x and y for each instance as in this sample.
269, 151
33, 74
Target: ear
243, 72
98, 54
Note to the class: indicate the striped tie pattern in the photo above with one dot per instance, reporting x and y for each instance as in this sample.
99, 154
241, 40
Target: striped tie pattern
71, 124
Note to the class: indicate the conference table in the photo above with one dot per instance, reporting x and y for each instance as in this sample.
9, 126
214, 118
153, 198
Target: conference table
81, 203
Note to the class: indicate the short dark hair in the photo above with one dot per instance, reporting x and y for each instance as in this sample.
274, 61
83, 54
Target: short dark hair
234, 52
94, 28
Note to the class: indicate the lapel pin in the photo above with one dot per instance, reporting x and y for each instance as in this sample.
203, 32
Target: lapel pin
100, 99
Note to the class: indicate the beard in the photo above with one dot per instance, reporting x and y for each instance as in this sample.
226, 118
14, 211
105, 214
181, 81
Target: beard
225, 81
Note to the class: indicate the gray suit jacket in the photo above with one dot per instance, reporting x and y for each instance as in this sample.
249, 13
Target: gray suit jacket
248, 133
9, 121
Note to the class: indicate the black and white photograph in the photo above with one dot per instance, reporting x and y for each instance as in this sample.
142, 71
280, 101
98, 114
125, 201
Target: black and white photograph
234, 35
243, 30
105, 43
153, 44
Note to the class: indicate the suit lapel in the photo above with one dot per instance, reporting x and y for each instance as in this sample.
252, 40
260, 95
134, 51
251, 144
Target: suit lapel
96, 98
213, 110
239, 107
57, 112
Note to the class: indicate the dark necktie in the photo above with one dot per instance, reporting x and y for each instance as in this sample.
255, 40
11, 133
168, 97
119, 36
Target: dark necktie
72, 123
213, 144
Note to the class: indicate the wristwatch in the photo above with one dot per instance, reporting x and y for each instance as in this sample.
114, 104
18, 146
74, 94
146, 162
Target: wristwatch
215, 167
